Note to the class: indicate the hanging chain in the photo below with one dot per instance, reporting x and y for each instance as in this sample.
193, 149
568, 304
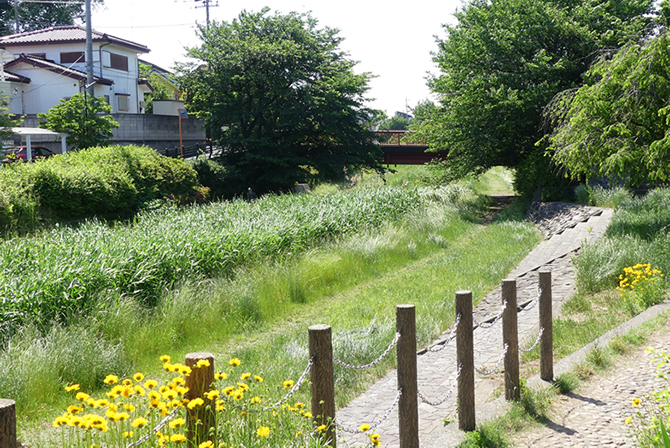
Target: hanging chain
495, 320
376, 361
374, 425
446, 397
493, 370
535, 301
446, 342
295, 387
537, 341
156, 428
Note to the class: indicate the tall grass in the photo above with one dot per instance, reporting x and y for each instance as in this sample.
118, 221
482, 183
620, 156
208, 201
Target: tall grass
58, 275
639, 233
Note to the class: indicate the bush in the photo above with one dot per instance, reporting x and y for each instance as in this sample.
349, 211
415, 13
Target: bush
110, 181
212, 175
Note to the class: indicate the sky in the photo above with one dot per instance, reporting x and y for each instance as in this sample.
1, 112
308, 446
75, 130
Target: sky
392, 42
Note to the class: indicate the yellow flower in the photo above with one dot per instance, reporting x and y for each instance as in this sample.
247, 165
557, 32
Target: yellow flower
139, 422
288, 384
72, 388
374, 439
211, 395
628, 420
220, 376
321, 428
129, 407
165, 358
636, 402
207, 444
297, 434
258, 378
179, 381
234, 362
178, 438
364, 427
307, 415
62, 420
82, 396
195, 402
111, 379
74, 410
138, 377
177, 422
256, 399
127, 382
127, 434
263, 431
202, 363
150, 384
245, 376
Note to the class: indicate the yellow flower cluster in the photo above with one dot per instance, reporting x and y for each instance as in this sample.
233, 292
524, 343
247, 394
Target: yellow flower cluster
636, 276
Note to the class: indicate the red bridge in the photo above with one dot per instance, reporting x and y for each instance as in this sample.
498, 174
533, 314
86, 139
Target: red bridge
400, 149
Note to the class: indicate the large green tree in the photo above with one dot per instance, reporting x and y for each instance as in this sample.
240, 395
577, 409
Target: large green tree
282, 100
35, 16
618, 124
84, 118
504, 60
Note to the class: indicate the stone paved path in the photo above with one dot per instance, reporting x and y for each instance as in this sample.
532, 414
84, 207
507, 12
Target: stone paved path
595, 414
437, 370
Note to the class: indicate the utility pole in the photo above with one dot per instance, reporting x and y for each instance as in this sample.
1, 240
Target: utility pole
89, 50
16, 15
206, 6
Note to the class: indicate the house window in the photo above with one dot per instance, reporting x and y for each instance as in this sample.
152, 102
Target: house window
72, 57
123, 102
115, 61
106, 97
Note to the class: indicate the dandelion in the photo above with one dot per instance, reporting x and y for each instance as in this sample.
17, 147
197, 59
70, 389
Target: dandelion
263, 431
110, 379
72, 388
364, 427
234, 362
636, 402
139, 422
288, 384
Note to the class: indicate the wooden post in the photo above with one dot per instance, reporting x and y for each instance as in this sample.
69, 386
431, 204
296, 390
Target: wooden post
511, 338
200, 421
323, 382
546, 323
465, 361
7, 423
408, 410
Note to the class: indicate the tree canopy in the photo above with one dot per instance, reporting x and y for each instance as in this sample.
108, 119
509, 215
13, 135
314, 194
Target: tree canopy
281, 99
618, 123
85, 119
504, 60
35, 16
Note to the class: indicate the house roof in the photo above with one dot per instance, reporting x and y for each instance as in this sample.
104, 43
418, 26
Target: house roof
55, 68
66, 34
13, 77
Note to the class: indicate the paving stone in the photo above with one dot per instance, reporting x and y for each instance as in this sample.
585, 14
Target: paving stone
566, 228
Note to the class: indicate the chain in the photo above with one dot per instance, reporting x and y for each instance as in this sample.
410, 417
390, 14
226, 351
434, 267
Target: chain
493, 370
157, 428
295, 387
376, 361
446, 397
495, 320
537, 341
443, 344
374, 425
535, 301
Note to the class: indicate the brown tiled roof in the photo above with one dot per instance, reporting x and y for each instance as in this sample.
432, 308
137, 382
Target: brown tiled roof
55, 68
9, 76
66, 34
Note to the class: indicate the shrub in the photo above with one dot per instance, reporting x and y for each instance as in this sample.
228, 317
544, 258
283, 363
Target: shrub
212, 175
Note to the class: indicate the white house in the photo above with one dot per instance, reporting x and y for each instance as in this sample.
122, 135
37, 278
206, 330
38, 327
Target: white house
42, 67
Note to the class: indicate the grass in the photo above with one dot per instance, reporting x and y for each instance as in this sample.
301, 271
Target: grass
352, 283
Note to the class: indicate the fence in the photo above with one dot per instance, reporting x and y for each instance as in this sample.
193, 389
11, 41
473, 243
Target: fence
321, 362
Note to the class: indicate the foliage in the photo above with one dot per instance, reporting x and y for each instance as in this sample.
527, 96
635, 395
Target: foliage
212, 175
395, 123
277, 93
651, 417
165, 87
86, 120
602, 197
37, 16
638, 231
617, 124
641, 286
6, 121
504, 60
58, 275
108, 182
240, 403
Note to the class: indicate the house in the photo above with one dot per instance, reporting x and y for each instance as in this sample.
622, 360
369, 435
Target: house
44, 66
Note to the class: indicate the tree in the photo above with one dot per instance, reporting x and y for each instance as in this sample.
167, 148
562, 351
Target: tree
6, 121
164, 87
281, 99
618, 123
35, 16
395, 123
86, 120
504, 61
